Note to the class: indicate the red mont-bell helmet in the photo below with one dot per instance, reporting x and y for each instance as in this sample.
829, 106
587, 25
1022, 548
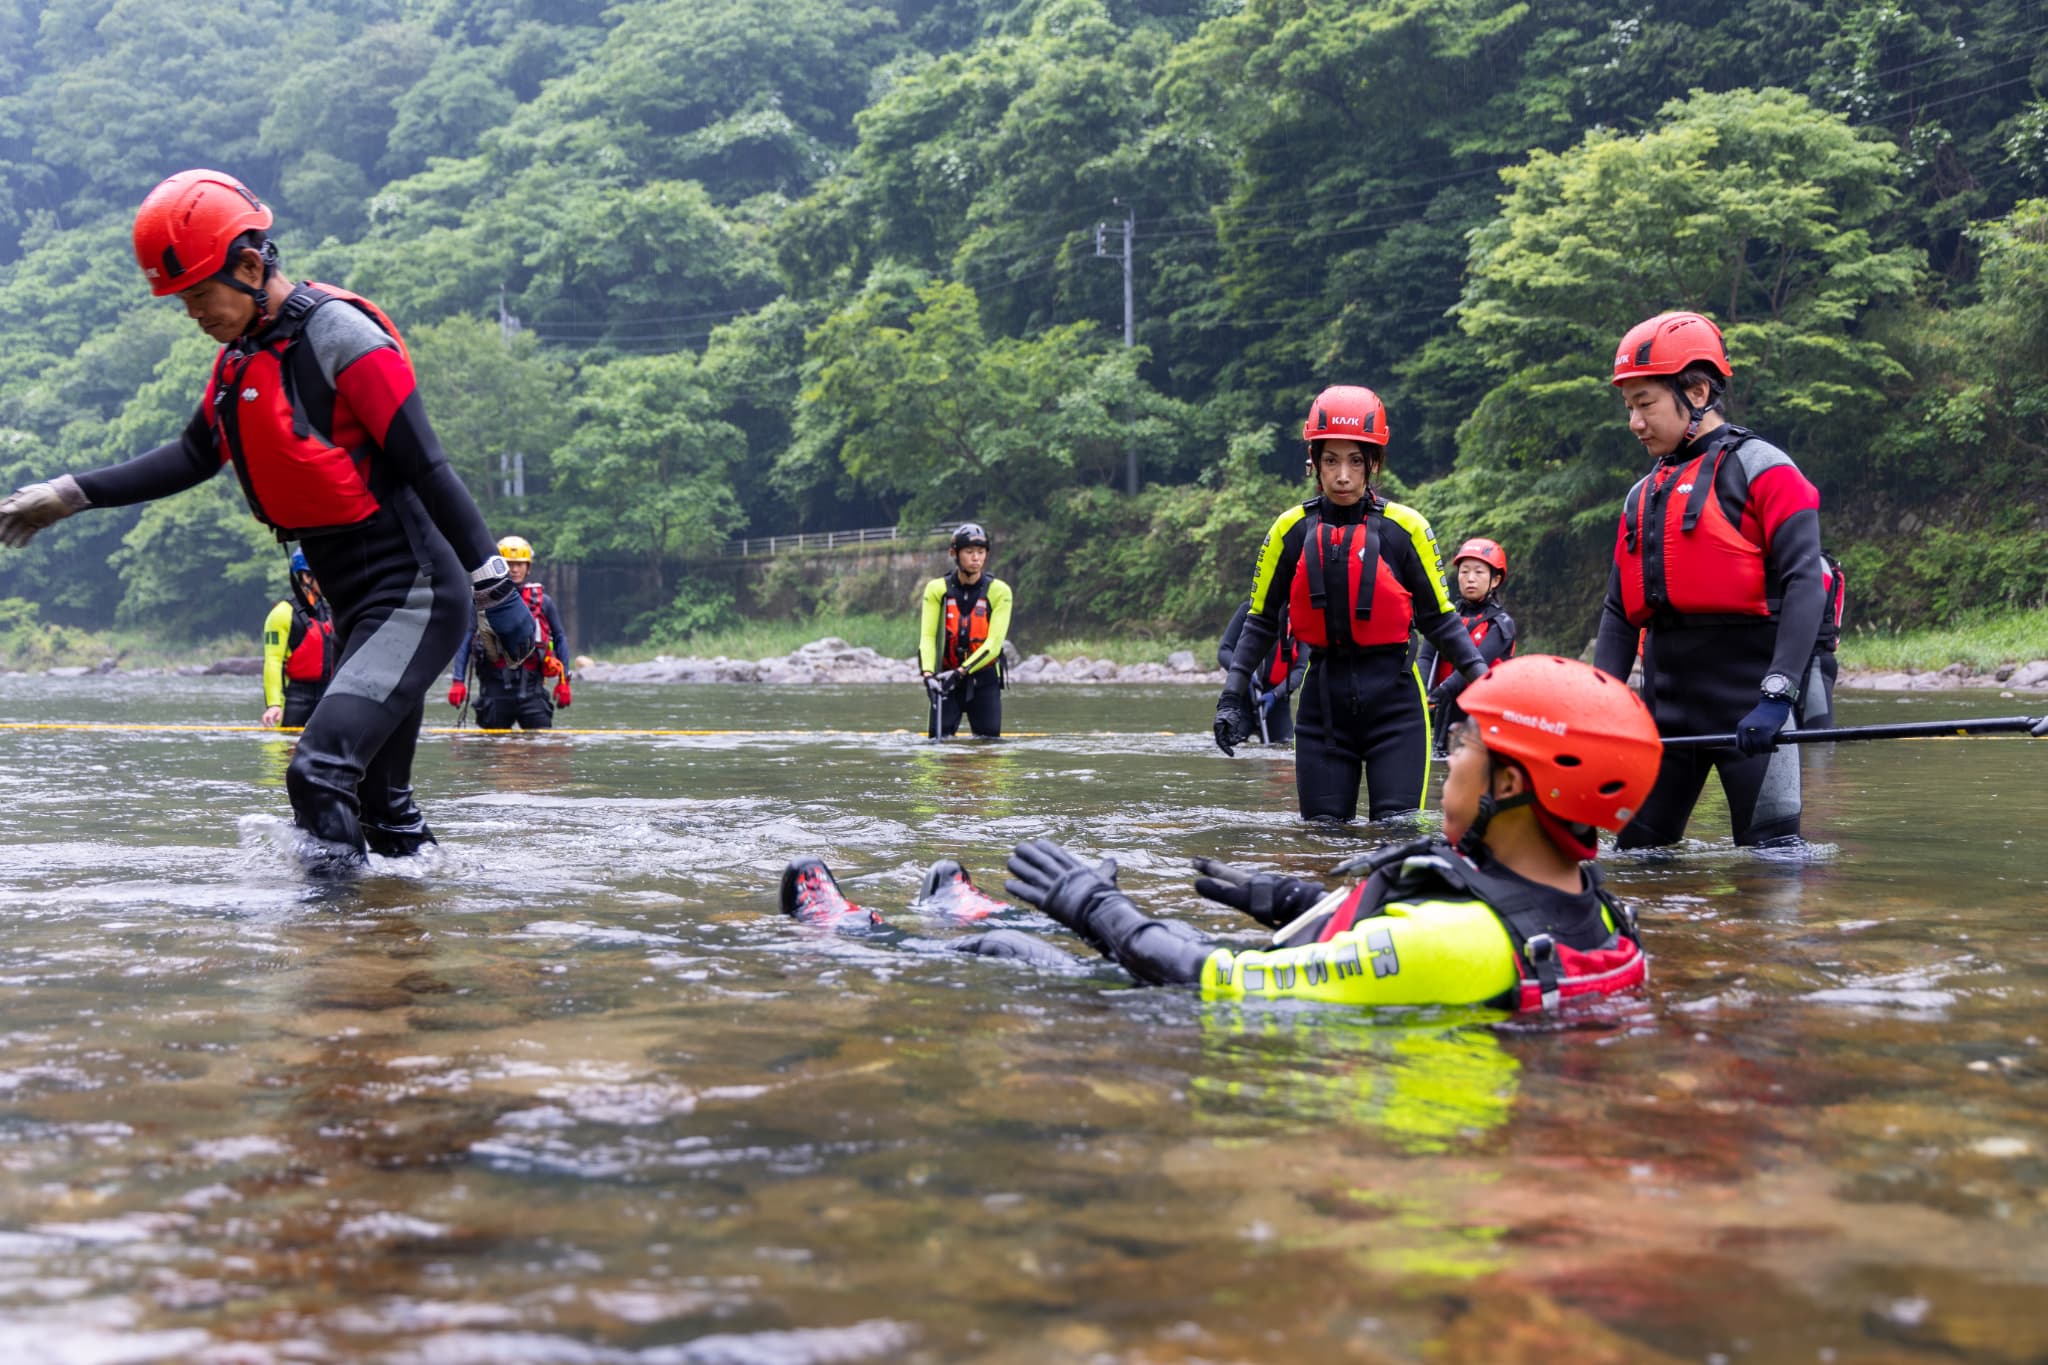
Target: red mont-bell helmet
186, 225
1487, 552
1586, 740
1666, 344
1346, 412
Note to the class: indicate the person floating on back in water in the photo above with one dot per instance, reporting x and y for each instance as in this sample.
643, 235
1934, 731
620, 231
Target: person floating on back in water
1355, 574
1506, 908
510, 693
1717, 573
298, 651
1480, 568
964, 619
1276, 680
312, 400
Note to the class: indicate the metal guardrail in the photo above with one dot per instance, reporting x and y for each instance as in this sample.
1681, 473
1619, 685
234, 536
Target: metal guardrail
821, 540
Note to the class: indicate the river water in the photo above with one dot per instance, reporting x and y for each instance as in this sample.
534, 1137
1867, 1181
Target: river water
570, 1089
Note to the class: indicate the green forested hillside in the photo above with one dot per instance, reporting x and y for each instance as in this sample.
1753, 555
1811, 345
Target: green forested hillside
710, 266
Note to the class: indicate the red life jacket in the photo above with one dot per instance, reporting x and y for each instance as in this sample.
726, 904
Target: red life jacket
1489, 618
1367, 610
961, 637
311, 656
1835, 587
295, 481
1284, 652
1555, 962
544, 644
1681, 556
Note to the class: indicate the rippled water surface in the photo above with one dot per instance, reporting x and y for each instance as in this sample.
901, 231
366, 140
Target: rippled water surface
570, 1090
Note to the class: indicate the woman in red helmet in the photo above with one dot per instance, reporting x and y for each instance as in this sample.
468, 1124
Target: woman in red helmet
1506, 908
1717, 572
1352, 575
1478, 570
312, 400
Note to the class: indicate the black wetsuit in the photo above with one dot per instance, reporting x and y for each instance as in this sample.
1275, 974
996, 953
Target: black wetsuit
1701, 675
400, 591
1491, 629
1362, 714
1279, 715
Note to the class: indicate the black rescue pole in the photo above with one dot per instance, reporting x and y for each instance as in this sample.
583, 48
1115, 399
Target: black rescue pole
1912, 729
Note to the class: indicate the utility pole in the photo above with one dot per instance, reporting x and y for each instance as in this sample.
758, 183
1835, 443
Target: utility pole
511, 464
1130, 316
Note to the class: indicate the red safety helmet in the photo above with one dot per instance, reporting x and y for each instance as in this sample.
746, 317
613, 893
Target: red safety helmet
186, 225
1585, 739
1487, 552
1666, 344
1346, 412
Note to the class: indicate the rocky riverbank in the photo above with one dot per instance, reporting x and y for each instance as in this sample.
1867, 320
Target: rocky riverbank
832, 661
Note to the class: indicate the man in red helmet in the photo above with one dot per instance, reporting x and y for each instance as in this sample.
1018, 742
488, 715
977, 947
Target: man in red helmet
1506, 908
1717, 570
312, 400
1479, 569
1350, 575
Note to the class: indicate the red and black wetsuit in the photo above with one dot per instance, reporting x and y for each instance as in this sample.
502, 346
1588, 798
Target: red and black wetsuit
1491, 629
1718, 570
320, 415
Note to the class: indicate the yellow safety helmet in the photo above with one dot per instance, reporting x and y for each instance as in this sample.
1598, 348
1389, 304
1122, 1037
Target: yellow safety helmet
516, 550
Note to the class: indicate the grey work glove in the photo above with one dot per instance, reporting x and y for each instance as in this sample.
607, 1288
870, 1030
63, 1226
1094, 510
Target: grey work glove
1269, 898
28, 510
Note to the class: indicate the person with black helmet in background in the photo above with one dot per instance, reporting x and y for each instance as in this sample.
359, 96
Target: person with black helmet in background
963, 621
313, 401
298, 650
1278, 677
523, 693
1355, 574
1718, 575
1479, 569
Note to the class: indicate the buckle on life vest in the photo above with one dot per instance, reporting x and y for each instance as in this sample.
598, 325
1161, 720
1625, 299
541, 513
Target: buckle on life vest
1541, 952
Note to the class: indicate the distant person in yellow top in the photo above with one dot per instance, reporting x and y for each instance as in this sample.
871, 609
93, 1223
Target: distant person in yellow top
298, 651
1505, 909
965, 620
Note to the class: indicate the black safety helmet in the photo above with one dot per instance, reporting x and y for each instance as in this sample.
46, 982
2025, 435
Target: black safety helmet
968, 533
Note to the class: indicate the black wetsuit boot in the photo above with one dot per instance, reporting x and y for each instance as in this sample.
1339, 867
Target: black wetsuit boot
401, 604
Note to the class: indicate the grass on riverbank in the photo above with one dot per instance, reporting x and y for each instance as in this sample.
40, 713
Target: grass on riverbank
1983, 641
893, 637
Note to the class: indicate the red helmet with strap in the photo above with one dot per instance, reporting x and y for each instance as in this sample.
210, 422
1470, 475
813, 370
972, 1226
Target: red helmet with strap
186, 225
1666, 344
1585, 739
1487, 552
1346, 412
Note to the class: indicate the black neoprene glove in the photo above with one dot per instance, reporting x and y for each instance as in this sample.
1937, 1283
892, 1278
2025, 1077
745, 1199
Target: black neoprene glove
1234, 720
1051, 877
2040, 730
1269, 898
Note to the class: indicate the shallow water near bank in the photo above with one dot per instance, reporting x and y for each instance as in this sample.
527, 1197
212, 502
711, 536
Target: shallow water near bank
569, 1089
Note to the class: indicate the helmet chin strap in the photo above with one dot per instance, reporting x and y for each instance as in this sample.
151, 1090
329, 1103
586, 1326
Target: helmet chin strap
260, 292
1489, 807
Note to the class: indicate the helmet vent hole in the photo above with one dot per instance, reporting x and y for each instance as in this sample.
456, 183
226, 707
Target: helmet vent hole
1567, 760
1611, 788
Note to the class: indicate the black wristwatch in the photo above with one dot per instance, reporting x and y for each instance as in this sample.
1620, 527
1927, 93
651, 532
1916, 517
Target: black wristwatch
1778, 687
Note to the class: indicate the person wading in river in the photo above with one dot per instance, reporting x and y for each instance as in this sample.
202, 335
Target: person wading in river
523, 694
964, 617
1277, 679
1717, 574
1506, 908
1354, 574
298, 651
1480, 568
312, 400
